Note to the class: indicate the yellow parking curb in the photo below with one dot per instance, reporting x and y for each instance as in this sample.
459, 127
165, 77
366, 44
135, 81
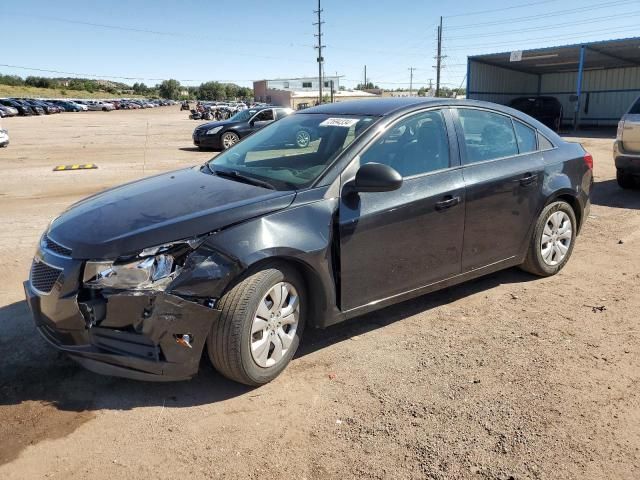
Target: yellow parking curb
86, 166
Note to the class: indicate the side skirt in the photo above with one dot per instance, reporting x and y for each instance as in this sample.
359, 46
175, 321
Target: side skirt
432, 287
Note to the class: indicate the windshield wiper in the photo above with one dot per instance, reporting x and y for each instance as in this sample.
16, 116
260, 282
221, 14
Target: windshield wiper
206, 165
234, 174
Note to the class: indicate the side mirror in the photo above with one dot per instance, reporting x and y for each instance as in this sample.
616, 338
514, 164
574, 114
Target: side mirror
376, 177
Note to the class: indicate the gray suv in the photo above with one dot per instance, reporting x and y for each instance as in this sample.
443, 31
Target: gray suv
626, 149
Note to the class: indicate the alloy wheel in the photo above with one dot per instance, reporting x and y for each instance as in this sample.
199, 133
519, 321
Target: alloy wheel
556, 238
229, 139
274, 324
303, 139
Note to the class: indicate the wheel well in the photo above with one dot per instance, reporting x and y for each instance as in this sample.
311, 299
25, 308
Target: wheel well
574, 204
315, 289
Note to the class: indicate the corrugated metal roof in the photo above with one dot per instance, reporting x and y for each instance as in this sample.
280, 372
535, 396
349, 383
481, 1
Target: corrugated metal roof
598, 56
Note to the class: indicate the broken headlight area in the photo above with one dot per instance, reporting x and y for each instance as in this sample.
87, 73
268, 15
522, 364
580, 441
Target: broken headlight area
151, 269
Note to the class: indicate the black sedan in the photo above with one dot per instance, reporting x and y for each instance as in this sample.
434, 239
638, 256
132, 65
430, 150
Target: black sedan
36, 107
226, 133
397, 198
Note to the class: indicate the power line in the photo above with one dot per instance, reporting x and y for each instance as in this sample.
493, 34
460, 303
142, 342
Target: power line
546, 27
319, 47
544, 15
411, 69
481, 12
439, 58
225, 39
618, 29
115, 77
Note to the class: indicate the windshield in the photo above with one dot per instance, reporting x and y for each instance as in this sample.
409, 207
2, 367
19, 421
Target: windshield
293, 152
244, 115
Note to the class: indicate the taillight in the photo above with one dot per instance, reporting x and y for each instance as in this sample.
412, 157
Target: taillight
620, 129
588, 160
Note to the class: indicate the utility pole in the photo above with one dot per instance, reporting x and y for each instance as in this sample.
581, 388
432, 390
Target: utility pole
439, 59
411, 69
365, 77
319, 47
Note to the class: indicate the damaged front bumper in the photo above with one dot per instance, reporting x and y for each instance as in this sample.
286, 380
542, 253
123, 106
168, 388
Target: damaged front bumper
152, 335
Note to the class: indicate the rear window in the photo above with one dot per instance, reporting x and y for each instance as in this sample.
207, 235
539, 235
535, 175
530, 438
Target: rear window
527, 141
544, 143
636, 107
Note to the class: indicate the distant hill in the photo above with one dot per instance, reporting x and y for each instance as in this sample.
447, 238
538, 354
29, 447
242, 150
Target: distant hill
25, 91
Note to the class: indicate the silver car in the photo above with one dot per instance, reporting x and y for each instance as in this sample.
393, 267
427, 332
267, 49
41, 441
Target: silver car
4, 138
97, 106
626, 149
8, 111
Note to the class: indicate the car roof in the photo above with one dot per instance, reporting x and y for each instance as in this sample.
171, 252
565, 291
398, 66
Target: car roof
379, 107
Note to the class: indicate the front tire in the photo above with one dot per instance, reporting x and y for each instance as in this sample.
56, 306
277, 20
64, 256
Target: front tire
260, 326
624, 179
552, 241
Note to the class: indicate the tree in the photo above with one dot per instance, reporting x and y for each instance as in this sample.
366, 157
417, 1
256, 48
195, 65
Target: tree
245, 93
169, 89
368, 86
422, 92
140, 88
231, 91
211, 91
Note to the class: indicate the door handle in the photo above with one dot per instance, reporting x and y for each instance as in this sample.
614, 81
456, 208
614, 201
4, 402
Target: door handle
448, 202
528, 179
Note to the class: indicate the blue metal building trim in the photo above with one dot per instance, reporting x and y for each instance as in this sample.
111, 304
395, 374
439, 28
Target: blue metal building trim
579, 87
614, 90
468, 76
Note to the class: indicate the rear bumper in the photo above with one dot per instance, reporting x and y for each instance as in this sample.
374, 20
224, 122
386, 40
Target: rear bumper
629, 162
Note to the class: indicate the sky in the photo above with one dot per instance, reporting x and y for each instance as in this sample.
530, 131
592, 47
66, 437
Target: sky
244, 40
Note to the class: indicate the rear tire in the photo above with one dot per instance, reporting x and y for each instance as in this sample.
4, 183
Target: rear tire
624, 179
552, 241
251, 317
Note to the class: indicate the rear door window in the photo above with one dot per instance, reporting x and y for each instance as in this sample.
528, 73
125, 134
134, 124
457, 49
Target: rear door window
487, 135
636, 108
526, 136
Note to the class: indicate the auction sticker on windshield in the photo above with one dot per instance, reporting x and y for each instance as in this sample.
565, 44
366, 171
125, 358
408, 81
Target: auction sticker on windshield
339, 122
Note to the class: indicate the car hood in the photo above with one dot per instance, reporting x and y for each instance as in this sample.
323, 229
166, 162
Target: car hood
208, 125
161, 209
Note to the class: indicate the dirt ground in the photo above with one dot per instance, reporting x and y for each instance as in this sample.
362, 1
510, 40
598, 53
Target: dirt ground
506, 377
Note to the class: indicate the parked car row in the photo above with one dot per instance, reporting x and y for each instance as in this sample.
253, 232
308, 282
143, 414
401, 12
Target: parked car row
10, 107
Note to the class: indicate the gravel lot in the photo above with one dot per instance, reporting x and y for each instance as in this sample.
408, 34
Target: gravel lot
509, 376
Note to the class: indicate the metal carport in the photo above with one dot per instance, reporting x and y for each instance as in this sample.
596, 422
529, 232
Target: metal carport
596, 82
